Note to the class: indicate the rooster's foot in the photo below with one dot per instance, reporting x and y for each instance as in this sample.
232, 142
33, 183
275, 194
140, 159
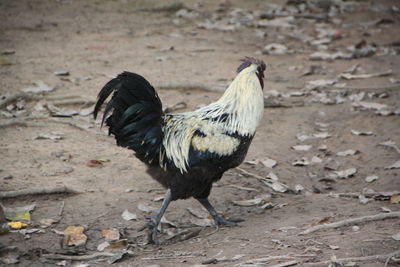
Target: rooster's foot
227, 222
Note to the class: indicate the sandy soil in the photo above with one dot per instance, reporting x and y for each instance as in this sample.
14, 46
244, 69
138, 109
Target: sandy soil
95, 40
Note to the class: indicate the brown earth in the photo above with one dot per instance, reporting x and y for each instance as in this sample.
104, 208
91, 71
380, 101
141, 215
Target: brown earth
99, 39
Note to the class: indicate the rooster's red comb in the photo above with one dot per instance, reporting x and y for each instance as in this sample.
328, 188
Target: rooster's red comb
247, 61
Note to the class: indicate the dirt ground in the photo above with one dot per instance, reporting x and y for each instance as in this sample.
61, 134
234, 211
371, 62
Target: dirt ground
191, 56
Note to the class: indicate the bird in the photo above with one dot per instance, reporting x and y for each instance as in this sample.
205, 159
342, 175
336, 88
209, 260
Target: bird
185, 152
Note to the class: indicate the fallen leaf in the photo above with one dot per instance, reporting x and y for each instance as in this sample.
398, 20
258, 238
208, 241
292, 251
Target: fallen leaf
146, 208
17, 225
51, 137
298, 188
41, 87
249, 202
164, 220
94, 163
272, 176
363, 199
333, 247
269, 163
110, 234
301, 162
316, 159
102, 246
318, 84
349, 76
330, 56
113, 245
276, 186
348, 152
126, 215
396, 237
391, 144
74, 236
371, 178
302, 147
386, 209
395, 199
275, 49
159, 198
346, 173
199, 213
370, 105
61, 73
395, 165
243, 188
361, 132
322, 135
48, 222
202, 222
19, 213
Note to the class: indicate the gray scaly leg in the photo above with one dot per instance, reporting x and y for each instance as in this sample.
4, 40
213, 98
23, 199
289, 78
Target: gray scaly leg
217, 218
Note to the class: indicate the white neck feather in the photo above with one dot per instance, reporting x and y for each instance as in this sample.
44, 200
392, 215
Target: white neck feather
244, 101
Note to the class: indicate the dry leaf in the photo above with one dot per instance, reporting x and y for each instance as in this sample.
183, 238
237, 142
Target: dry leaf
348, 152
317, 84
272, 176
391, 144
346, 173
302, 162
248, 203
74, 236
126, 215
302, 147
349, 76
202, 222
395, 199
41, 87
146, 208
370, 105
17, 225
44, 223
316, 159
396, 237
269, 163
395, 165
371, 178
199, 213
333, 247
94, 163
110, 234
361, 132
19, 213
244, 188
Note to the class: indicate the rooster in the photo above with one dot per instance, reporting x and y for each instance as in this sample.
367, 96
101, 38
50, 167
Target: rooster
187, 152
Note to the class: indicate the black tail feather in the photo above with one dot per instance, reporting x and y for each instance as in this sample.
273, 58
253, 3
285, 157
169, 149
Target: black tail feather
133, 115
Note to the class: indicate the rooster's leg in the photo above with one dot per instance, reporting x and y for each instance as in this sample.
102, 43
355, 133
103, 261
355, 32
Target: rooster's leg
154, 221
217, 218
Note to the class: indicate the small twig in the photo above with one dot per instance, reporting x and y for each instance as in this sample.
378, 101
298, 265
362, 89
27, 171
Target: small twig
21, 122
284, 264
39, 191
374, 195
73, 102
267, 15
383, 257
279, 257
365, 88
380, 216
267, 181
60, 212
78, 257
246, 173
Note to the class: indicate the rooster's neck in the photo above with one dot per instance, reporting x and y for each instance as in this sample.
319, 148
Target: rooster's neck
244, 102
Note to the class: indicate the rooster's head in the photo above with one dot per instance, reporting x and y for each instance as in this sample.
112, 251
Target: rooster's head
248, 61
